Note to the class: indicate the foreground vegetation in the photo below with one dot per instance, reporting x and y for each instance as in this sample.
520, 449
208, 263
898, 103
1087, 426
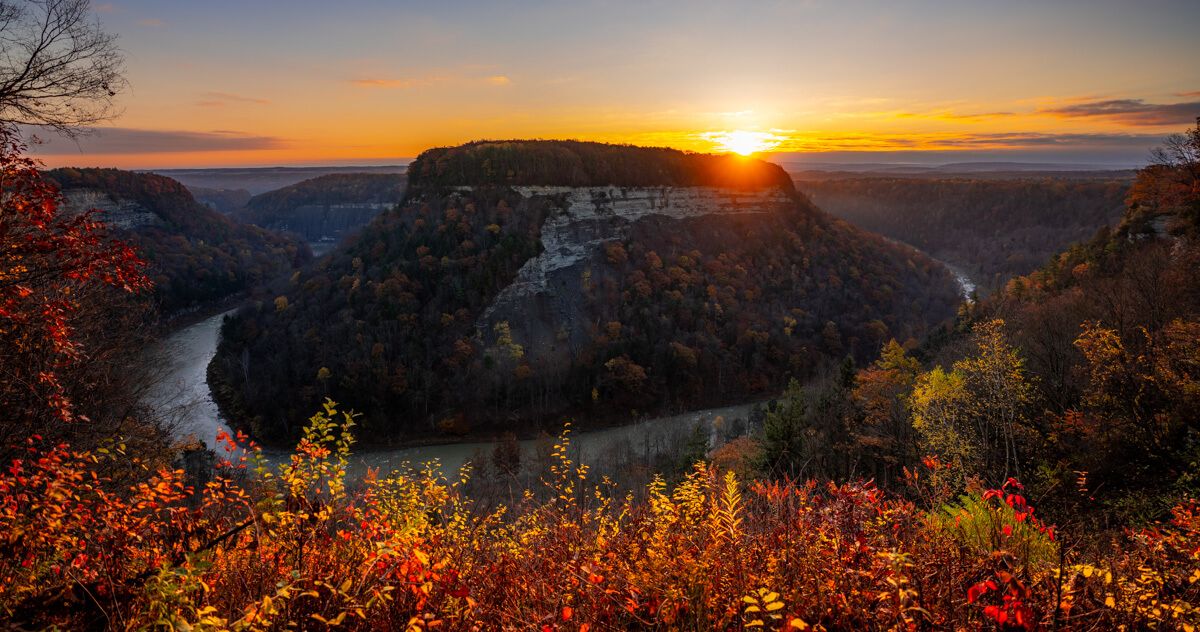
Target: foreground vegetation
255, 548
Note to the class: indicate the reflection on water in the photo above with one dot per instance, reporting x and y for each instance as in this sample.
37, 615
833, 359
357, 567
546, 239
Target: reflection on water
181, 392
965, 284
177, 366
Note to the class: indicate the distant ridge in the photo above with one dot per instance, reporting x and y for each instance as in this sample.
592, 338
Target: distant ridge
258, 180
583, 164
954, 168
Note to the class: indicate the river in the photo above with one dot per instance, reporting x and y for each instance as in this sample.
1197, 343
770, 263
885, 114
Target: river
180, 392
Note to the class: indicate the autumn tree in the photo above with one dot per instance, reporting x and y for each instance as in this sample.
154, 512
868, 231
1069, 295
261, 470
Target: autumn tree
884, 433
1141, 400
976, 414
1169, 188
51, 265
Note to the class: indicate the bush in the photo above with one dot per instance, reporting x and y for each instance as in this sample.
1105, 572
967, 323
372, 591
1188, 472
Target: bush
262, 547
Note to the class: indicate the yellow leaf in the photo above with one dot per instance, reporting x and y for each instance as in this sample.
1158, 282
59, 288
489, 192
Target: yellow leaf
1110, 602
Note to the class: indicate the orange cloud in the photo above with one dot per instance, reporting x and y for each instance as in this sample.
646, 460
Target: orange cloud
151, 22
499, 80
949, 115
1130, 111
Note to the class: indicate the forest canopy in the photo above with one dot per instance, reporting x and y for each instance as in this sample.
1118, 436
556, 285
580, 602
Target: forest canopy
581, 164
196, 254
992, 229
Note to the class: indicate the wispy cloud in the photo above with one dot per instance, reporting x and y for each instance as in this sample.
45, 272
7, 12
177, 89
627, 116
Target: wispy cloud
394, 84
123, 140
798, 141
1130, 111
950, 115
406, 83
151, 22
106, 7
996, 140
221, 99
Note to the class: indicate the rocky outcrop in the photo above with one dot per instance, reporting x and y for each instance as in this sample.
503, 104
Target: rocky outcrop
544, 304
122, 213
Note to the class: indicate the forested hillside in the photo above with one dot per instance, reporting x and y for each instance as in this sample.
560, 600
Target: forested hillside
582, 164
991, 229
195, 254
403, 322
328, 206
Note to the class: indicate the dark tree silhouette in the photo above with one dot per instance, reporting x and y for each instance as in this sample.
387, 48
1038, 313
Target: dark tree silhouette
58, 68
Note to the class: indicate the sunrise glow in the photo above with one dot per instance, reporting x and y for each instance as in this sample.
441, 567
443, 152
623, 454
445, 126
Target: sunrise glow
372, 83
744, 142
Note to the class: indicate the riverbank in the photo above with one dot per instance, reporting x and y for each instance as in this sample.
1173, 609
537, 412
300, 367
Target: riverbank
182, 394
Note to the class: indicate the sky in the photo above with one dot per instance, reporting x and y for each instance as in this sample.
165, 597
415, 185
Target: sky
260, 82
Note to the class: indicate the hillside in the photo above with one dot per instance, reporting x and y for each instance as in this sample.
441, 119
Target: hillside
221, 200
524, 281
196, 254
326, 207
1111, 329
258, 180
992, 229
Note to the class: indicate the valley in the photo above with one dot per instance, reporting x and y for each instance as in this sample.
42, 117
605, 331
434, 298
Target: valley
547, 298
181, 391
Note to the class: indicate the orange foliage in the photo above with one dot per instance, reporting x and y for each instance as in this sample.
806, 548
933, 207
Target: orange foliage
270, 548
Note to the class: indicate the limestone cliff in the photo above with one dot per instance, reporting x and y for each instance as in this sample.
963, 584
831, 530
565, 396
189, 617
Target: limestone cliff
545, 303
118, 213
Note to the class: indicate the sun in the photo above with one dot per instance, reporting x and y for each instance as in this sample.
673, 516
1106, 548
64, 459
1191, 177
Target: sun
743, 142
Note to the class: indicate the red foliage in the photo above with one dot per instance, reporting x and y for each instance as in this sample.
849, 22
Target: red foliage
46, 259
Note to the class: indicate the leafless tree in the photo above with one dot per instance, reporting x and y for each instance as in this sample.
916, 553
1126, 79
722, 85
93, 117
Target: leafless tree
1182, 153
58, 68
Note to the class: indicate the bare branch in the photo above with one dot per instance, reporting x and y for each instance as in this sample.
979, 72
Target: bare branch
58, 68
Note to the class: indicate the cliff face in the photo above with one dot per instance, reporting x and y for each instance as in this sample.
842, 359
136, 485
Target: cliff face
545, 304
195, 254
527, 281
